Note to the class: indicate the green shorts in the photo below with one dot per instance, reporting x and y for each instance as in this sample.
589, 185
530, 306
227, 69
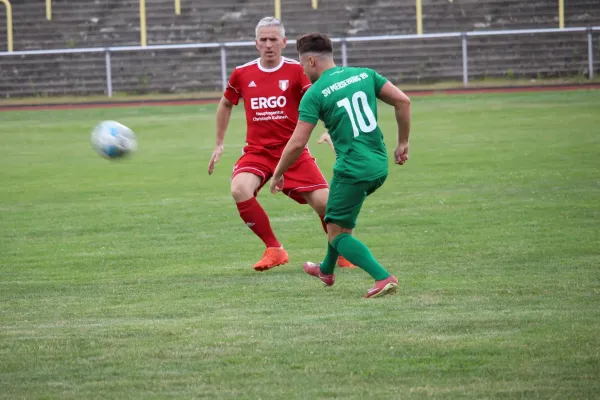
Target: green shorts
346, 200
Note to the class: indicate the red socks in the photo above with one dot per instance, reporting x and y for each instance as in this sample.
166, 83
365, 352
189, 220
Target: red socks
255, 217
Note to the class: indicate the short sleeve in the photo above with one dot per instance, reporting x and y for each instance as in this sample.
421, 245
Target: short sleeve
233, 92
309, 107
378, 80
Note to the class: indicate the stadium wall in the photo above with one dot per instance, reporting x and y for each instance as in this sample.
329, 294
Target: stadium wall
83, 23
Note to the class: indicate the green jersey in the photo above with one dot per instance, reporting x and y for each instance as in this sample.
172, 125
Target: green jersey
345, 99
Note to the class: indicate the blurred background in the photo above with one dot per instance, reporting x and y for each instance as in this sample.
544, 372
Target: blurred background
130, 47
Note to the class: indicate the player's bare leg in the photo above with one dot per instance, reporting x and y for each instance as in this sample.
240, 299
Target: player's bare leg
243, 187
318, 201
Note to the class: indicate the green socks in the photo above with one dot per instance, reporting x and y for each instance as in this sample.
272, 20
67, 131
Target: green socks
328, 264
357, 253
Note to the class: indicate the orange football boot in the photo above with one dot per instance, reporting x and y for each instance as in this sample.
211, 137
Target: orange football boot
343, 263
272, 257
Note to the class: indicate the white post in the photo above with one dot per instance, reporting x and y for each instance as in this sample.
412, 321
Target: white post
590, 54
108, 73
465, 61
223, 67
344, 53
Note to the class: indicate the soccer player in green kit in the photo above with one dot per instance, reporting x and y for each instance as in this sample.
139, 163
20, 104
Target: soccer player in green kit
345, 99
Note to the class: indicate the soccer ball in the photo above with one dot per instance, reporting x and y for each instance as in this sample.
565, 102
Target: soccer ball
112, 140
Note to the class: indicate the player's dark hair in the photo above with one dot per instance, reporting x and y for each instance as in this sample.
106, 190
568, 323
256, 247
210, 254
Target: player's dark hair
314, 42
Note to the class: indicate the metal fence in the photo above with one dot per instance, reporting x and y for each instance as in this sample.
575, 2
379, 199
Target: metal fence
344, 43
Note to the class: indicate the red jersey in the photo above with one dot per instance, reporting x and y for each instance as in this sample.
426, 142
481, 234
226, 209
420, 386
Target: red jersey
271, 99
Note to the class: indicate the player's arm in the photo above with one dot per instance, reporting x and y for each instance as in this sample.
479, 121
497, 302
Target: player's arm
223, 116
395, 97
230, 98
326, 138
292, 151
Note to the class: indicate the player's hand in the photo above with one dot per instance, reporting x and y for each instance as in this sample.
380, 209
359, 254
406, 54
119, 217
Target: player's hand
401, 153
326, 138
215, 158
276, 184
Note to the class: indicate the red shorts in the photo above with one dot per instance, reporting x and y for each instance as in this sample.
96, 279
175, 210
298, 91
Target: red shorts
303, 176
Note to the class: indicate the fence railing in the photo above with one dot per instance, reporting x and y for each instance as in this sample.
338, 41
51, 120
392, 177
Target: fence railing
277, 11
343, 42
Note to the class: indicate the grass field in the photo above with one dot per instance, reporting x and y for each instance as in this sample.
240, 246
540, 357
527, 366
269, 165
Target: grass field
134, 279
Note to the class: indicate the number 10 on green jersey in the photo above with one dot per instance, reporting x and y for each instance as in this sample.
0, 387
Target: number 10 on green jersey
345, 99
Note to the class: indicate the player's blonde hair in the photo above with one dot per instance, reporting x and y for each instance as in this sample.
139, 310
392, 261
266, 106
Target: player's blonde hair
270, 21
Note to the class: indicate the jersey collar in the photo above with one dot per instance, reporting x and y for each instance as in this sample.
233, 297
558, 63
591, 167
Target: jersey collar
263, 69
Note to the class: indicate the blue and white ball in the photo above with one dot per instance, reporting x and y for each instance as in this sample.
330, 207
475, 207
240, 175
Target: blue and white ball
113, 140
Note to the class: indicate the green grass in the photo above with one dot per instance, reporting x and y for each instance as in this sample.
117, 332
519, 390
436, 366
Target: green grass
133, 279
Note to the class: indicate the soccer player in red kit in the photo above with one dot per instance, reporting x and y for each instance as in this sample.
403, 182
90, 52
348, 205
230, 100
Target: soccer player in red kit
272, 87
